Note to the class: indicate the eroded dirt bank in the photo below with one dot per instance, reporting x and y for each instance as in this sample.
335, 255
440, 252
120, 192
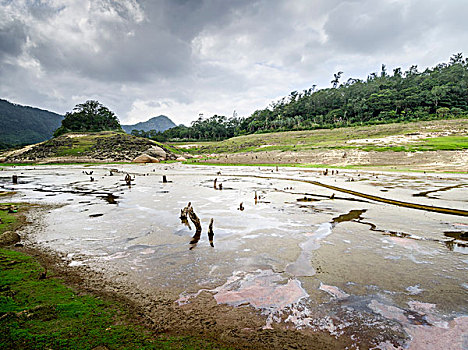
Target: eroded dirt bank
428, 160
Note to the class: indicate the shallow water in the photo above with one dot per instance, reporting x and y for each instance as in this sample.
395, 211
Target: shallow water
384, 275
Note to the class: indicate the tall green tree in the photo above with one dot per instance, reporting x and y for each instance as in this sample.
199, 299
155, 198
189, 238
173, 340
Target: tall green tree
89, 116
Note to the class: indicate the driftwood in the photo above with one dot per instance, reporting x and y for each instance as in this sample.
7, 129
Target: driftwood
256, 198
220, 186
211, 233
241, 206
214, 183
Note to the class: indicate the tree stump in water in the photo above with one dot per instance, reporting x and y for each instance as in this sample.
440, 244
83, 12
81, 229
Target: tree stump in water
198, 228
220, 186
128, 180
184, 212
214, 183
194, 218
184, 215
164, 179
14, 178
211, 233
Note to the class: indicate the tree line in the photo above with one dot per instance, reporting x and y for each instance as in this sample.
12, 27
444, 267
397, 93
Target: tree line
438, 92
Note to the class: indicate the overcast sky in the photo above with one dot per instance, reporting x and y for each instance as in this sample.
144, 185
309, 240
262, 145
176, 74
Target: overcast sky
142, 58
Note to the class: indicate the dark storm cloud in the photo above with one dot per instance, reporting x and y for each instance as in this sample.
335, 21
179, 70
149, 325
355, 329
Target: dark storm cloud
12, 38
182, 57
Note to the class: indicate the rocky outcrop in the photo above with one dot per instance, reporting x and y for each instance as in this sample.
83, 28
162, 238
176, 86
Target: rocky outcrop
92, 147
9, 238
157, 152
144, 158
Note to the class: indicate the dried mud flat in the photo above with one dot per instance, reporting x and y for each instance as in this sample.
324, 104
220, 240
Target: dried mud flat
426, 161
301, 267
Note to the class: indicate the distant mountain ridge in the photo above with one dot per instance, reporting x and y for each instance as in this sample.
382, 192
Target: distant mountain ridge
159, 123
21, 125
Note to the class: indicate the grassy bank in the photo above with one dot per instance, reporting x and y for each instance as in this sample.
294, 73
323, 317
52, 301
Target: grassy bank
340, 138
44, 313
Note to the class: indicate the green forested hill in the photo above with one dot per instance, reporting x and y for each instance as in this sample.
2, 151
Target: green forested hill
388, 96
20, 125
159, 123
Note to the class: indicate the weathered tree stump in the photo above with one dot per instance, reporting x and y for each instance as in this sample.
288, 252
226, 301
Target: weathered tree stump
14, 178
184, 215
198, 228
214, 183
164, 179
128, 180
194, 218
184, 212
211, 233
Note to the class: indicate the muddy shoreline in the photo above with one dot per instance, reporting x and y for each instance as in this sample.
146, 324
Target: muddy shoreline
157, 310
306, 266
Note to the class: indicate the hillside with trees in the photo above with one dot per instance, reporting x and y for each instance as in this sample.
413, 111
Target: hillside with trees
21, 125
434, 93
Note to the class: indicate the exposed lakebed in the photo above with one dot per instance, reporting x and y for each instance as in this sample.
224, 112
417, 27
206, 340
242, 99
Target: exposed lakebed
304, 256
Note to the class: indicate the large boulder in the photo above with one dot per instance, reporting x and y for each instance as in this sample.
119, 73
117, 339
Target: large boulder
144, 158
156, 152
8, 238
